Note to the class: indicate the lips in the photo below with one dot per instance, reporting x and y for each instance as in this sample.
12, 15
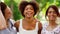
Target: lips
29, 14
52, 17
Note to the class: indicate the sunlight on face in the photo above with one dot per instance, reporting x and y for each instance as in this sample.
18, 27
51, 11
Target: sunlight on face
8, 13
29, 11
52, 14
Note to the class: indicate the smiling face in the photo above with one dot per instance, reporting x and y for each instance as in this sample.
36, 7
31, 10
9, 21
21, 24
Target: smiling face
8, 13
29, 11
52, 14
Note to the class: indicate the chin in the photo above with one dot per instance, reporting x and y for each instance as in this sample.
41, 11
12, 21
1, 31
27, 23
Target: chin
28, 17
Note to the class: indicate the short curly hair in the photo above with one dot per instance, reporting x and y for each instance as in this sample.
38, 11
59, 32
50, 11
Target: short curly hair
23, 4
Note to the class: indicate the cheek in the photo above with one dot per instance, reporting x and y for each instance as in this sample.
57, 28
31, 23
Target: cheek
24, 12
48, 15
32, 12
6, 15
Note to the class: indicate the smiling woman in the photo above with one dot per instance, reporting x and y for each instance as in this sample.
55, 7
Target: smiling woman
28, 25
51, 27
6, 12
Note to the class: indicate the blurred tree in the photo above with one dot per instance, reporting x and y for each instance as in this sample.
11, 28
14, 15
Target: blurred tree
14, 6
44, 4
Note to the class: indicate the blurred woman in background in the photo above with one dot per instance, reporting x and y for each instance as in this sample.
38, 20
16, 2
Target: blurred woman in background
7, 15
51, 27
2, 20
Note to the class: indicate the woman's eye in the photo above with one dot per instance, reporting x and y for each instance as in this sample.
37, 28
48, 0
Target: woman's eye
54, 12
26, 9
31, 8
49, 12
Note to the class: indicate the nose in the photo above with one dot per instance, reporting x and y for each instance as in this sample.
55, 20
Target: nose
52, 13
29, 10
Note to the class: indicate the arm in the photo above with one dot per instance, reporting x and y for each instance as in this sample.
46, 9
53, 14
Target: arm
17, 23
39, 28
2, 21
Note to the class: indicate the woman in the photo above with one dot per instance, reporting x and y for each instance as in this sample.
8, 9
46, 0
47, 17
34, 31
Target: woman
28, 25
7, 14
51, 27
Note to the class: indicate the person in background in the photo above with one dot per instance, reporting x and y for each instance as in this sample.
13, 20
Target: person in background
28, 25
2, 20
51, 27
7, 14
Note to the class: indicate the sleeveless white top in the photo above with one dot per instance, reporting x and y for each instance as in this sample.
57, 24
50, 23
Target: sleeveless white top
54, 31
23, 31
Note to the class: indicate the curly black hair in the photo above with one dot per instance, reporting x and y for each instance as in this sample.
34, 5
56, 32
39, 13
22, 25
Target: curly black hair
23, 4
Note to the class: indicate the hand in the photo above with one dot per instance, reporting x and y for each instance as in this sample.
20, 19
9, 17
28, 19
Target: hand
2, 27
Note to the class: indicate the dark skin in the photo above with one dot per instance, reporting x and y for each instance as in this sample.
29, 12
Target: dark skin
29, 22
31, 26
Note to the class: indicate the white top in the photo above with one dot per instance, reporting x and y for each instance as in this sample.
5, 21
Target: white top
23, 31
54, 31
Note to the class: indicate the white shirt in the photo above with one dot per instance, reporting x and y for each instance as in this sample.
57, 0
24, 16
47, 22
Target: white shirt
23, 31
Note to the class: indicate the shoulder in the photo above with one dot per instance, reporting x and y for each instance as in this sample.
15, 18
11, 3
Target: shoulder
39, 24
57, 29
17, 23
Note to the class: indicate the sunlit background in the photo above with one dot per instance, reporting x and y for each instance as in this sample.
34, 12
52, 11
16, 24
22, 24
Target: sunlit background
44, 4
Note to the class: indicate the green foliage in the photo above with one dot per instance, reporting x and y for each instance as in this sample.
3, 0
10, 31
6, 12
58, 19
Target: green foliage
16, 12
44, 4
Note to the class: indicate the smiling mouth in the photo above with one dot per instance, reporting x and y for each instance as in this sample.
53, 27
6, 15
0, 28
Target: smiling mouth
29, 13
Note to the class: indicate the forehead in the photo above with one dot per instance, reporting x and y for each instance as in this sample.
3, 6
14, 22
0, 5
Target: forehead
29, 6
51, 9
8, 10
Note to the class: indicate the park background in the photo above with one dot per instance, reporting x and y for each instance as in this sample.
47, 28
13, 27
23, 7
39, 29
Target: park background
43, 5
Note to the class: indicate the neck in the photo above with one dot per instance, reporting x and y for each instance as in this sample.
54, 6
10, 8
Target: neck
52, 23
29, 20
6, 20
